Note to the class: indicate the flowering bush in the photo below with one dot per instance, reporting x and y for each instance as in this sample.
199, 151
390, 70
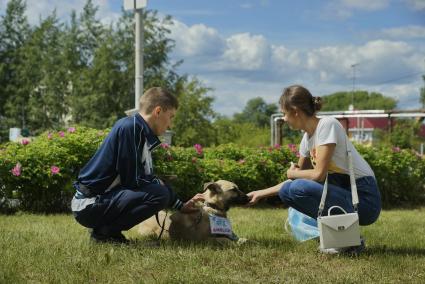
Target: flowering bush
249, 168
40, 173
400, 174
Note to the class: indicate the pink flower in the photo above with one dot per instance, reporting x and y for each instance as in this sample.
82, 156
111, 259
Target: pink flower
198, 149
25, 141
61, 134
165, 146
49, 136
17, 169
71, 129
277, 146
241, 161
396, 149
292, 147
54, 170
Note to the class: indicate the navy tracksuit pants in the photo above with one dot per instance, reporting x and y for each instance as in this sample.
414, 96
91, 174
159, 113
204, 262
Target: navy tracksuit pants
121, 209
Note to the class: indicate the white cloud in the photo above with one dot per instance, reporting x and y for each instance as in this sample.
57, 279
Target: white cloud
196, 40
408, 32
203, 48
377, 61
245, 52
243, 66
284, 56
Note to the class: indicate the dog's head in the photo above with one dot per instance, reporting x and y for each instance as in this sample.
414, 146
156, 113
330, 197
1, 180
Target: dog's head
222, 194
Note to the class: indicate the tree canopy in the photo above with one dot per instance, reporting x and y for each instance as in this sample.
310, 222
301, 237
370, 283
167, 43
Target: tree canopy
82, 72
257, 112
362, 100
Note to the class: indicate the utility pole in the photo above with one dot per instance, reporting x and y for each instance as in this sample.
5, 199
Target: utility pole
137, 7
351, 107
422, 92
353, 66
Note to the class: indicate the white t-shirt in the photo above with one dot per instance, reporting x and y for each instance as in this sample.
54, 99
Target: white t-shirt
330, 131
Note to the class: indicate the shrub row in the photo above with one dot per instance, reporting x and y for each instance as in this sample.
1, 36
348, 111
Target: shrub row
39, 173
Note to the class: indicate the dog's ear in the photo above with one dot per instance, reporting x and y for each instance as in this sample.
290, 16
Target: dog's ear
213, 187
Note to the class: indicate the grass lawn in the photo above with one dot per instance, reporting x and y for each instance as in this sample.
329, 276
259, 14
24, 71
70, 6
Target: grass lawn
54, 249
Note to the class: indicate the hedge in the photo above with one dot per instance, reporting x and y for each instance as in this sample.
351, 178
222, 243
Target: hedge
39, 173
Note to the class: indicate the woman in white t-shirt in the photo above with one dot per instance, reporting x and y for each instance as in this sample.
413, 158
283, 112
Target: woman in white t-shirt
323, 150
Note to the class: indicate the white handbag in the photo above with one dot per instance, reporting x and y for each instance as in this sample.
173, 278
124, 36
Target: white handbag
338, 231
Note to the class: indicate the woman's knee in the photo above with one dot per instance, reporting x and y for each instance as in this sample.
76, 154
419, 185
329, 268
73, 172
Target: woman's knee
369, 217
284, 193
299, 188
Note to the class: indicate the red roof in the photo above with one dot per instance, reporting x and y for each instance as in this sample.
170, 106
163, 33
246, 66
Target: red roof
368, 122
373, 122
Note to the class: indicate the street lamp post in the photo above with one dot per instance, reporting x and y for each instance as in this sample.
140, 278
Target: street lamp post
353, 66
137, 6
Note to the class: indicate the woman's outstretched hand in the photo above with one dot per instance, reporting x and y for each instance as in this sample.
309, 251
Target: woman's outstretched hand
254, 197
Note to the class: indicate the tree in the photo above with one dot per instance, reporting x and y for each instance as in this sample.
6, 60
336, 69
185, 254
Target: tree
363, 101
83, 71
90, 33
41, 78
422, 94
46, 106
192, 124
104, 86
257, 112
402, 134
14, 31
100, 106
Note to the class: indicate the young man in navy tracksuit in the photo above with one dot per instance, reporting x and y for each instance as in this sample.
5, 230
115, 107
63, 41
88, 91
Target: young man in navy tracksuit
117, 188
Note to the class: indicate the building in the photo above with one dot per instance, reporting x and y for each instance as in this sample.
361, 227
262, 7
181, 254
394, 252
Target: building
360, 124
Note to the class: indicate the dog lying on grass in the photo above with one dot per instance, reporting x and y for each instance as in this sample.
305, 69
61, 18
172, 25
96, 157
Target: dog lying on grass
209, 223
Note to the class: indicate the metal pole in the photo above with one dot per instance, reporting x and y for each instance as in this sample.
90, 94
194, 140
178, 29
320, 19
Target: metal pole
354, 83
138, 16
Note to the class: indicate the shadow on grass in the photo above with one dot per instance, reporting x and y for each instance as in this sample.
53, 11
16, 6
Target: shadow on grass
211, 244
399, 251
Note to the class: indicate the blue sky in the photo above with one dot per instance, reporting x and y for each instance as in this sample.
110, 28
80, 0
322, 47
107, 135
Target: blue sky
245, 49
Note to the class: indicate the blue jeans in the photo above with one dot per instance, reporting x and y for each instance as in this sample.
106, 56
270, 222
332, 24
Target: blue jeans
304, 195
121, 209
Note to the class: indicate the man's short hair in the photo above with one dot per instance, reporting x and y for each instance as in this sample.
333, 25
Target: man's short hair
157, 96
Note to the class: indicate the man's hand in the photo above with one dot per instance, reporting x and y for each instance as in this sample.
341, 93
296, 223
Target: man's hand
190, 206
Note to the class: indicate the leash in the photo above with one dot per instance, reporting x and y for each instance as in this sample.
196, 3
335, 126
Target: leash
163, 224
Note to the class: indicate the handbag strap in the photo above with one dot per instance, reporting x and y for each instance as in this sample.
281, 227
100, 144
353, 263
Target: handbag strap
354, 195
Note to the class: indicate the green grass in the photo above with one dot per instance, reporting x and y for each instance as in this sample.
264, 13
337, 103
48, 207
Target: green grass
55, 249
